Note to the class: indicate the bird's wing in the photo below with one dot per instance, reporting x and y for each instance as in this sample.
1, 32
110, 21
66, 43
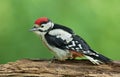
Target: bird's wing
65, 40
58, 38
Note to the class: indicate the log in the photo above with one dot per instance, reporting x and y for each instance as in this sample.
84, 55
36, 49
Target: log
68, 68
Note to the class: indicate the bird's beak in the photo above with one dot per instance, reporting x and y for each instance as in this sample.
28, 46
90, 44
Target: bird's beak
33, 29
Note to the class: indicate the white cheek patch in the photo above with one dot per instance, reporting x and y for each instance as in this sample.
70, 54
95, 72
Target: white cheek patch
61, 34
47, 26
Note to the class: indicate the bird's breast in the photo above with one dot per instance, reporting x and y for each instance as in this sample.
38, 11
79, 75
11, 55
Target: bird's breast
57, 52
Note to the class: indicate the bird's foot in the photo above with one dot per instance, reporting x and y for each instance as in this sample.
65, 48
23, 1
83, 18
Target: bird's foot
53, 60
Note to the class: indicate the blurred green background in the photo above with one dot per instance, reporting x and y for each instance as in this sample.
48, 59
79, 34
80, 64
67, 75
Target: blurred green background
97, 21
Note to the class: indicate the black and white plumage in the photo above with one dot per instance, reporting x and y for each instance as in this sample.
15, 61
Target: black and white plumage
64, 43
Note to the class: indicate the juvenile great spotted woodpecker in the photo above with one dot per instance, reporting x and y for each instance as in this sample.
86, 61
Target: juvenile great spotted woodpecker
64, 43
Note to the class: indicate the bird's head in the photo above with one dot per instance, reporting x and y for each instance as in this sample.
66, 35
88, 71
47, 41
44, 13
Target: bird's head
42, 25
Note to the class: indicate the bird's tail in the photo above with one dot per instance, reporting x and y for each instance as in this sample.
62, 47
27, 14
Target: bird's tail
97, 58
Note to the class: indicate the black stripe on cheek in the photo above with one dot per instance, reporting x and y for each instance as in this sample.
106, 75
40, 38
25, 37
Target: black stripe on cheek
40, 30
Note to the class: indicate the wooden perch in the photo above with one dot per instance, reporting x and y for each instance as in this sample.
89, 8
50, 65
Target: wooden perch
69, 68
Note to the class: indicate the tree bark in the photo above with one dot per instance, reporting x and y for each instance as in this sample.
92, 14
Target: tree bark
68, 68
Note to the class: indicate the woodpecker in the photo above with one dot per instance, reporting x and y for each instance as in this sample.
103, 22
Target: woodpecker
64, 43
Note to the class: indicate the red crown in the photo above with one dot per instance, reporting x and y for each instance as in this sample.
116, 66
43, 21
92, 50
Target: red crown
41, 20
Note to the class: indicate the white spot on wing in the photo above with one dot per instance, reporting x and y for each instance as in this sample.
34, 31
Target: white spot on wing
80, 46
76, 41
90, 53
84, 52
69, 46
77, 48
72, 48
73, 43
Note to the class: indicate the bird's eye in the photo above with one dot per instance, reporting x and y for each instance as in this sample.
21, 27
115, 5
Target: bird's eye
34, 27
41, 26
